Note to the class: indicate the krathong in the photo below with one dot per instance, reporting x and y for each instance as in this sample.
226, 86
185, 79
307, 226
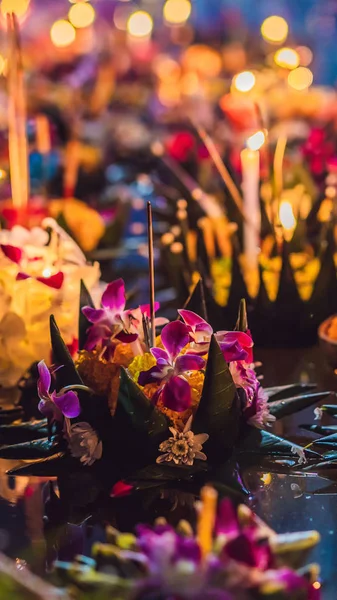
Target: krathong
231, 555
190, 408
41, 271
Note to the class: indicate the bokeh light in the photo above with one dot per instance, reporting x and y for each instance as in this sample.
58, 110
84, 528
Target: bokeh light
62, 33
256, 141
177, 12
18, 7
287, 58
300, 78
274, 29
244, 82
140, 24
122, 14
81, 14
305, 55
204, 60
3, 63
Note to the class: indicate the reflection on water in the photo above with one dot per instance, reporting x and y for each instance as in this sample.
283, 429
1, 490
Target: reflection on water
36, 526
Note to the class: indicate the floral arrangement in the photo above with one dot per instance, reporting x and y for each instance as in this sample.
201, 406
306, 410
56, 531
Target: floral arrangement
232, 555
41, 270
177, 410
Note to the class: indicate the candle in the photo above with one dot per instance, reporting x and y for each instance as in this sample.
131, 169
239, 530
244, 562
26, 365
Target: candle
250, 163
206, 519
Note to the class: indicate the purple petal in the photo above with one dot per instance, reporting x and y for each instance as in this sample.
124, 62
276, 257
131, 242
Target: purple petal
227, 521
96, 334
194, 321
232, 351
93, 314
114, 296
127, 338
46, 408
12, 252
175, 336
189, 362
160, 355
176, 394
44, 381
240, 342
68, 404
146, 309
153, 375
22, 276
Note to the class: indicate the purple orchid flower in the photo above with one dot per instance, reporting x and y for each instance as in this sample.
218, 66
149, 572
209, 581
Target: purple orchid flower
174, 390
111, 321
256, 410
53, 405
236, 345
200, 331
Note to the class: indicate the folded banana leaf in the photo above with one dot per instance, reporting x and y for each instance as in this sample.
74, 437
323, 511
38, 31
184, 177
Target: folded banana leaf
23, 432
321, 429
280, 392
219, 411
288, 406
259, 442
83, 324
327, 442
8, 415
51, 466
34, 449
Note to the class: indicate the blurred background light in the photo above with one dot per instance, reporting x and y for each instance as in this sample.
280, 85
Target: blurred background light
18, 7
287, 58
244, 81
305, 55
140, 24
81, 14
274, 29
62, 33
176, 12
300, 78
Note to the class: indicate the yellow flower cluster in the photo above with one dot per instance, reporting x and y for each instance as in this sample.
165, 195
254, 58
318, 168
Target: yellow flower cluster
100, 375
140, 363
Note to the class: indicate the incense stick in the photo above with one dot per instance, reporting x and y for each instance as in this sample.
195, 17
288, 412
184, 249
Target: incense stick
151, 273
278, 164
221, 167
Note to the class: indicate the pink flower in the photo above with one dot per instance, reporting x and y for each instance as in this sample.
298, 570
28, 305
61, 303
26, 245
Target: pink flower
111, 320
170, 367
53, 405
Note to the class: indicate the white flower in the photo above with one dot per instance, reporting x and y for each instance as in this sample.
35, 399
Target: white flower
262, 417
15, 351
84, 443
300, 453
183, 447
318, 412
20, 236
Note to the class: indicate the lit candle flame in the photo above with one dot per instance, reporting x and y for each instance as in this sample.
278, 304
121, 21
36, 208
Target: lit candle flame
256, 141
46, 273
287, 219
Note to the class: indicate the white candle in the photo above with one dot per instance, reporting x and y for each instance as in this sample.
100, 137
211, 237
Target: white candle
250, 163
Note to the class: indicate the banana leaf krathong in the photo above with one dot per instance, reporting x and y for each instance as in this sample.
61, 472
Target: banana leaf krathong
129, 437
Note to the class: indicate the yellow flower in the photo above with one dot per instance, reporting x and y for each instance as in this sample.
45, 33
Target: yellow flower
140, 363
123, 355
85, 223
100, 375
